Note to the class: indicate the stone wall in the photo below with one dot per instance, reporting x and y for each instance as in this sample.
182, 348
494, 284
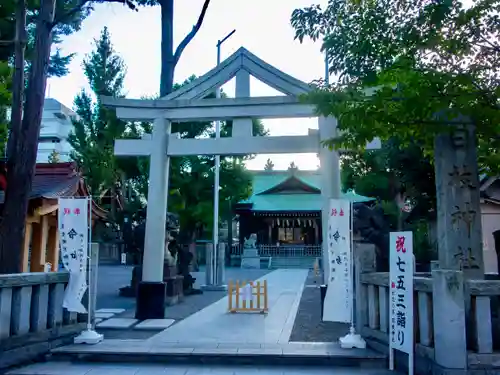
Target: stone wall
32, 319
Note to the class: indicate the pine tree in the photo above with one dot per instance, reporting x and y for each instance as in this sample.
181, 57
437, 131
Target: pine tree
269, 165
97, 127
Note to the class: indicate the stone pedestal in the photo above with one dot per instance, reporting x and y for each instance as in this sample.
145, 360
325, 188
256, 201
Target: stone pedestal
364, 262
250, 258
173, 283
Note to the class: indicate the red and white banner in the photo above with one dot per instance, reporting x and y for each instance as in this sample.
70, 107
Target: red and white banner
73, 221
339, 294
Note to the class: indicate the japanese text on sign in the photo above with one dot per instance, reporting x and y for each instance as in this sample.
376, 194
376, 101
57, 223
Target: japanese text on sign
401, 287
338, 300
73, 232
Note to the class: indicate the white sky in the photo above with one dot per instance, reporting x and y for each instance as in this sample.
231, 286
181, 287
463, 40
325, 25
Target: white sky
262, 26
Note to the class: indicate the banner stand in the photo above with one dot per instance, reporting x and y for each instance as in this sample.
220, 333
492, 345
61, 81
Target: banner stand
90, 336
352, 339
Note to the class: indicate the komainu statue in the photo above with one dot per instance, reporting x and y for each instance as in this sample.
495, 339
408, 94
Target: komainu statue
372, 226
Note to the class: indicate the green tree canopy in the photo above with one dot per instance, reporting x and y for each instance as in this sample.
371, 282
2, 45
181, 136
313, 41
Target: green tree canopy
191, 177
95, 128
401, 63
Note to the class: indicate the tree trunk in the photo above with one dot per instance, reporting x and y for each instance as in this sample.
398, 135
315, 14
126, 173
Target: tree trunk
21, 164
18, 79
167, 47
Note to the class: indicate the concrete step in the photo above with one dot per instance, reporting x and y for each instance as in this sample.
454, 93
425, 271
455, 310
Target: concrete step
296, 354
71, 368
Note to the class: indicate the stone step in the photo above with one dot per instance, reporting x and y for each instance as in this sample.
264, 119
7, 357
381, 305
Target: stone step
71, 368
296, 354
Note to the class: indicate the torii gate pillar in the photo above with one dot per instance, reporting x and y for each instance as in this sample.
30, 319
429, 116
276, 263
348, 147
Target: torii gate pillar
330, 181
151, 292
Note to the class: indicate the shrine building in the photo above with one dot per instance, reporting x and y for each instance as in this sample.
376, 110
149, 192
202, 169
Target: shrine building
41, 238
285, 208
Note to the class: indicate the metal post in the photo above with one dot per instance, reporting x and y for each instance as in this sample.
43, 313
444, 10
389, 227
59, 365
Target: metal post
217, 177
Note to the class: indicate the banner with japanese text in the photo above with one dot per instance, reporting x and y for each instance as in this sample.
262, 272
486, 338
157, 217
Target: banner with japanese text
401, 287
339, 298
73, 221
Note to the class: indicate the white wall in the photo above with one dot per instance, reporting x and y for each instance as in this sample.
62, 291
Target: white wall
490, 222
55, 128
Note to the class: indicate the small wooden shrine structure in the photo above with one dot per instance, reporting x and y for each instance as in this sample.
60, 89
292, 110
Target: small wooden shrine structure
41, 238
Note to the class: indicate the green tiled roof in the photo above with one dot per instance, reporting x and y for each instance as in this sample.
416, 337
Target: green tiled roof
288, 201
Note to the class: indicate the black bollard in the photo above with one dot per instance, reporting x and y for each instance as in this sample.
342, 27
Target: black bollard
322, 290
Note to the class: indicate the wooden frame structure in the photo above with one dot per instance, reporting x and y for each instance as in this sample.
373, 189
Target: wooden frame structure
41, 235
258, 292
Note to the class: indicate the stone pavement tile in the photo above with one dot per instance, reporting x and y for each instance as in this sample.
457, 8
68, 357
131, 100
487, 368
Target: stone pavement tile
112, 311
159, 370
114, 369
118, 323
53, 368
107, 346
104, 315
210, 370
169, 350
221, 351
261, 351
154, 324
214, 323
305, 352
245, 345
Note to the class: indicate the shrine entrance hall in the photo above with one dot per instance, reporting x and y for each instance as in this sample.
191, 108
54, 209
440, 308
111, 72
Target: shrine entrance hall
188, 105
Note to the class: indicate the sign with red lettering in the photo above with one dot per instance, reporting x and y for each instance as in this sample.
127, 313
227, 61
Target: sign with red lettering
401, 292
73, 221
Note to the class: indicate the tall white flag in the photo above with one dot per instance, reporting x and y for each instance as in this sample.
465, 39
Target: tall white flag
338, 300
73, 223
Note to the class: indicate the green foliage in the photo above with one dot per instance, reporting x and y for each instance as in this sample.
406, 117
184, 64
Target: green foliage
5, 102
67, 25
402, 63
191, 177
393, 172
96, 127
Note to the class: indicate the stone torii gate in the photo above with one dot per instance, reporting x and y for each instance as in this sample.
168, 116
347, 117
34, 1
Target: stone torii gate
187, 104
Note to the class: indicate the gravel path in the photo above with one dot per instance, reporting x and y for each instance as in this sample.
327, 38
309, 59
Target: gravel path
308, 326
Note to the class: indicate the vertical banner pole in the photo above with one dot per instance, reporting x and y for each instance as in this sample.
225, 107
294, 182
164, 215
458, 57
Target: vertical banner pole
90, 336
89, 266
351, 208
391, 358
352, 339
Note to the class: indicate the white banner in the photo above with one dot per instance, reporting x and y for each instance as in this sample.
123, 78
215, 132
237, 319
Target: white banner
73, 223
401, 286
339, 298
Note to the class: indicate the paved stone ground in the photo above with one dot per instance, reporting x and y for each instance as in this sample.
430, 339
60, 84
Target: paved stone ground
67, 368
214, 324
113, 277
308, 326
